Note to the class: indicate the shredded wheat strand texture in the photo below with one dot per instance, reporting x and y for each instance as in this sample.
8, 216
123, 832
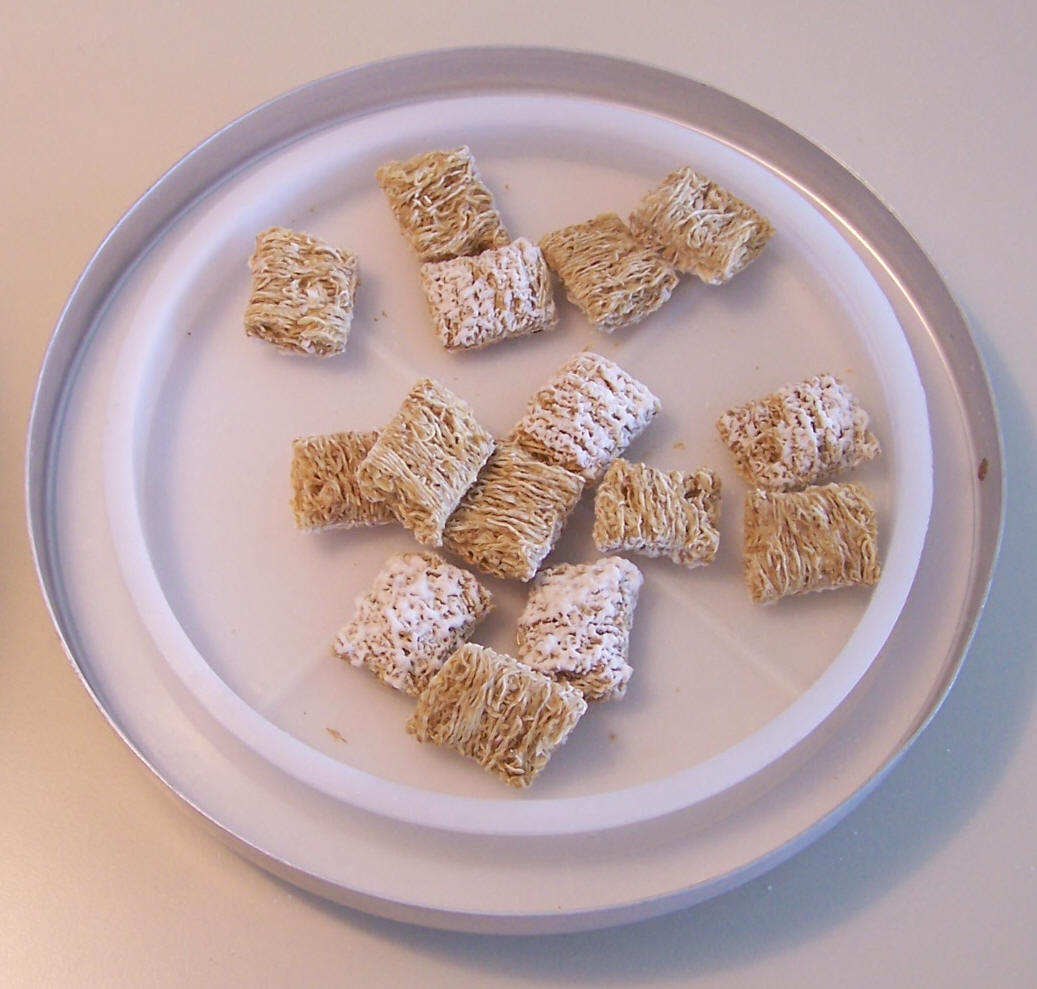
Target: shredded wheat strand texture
442, 205
700, 227
325, 493
818, 539
303, 291
511, 518
641, 509
613, 278
425, 459
489, 707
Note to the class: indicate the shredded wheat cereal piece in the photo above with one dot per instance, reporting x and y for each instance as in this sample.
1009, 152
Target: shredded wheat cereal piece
576, 625
302, 293
503, 292
512, 516
493, 709
812, 540
418, 611
799, 434
612, 277
323, 475
699, 227
658, 513
425, 459
441, 204
586, 415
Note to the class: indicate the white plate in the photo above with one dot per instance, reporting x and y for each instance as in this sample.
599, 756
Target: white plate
243, 607
177, 429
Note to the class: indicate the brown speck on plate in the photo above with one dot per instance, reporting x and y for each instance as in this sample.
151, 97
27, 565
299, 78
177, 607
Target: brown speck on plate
984, 466
679, 445
612, 736
337, 735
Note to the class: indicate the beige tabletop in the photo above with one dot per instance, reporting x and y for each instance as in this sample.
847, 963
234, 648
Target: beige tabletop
931, 881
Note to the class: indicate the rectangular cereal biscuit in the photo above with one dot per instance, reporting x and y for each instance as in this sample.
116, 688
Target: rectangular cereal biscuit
491, 708
699, 227
418, 611
799, 434
442, 205
303, 291
576, 625
586, 415
613, 278
640, 509
425, 459
512, 516
503, 292
813, 540
325, 493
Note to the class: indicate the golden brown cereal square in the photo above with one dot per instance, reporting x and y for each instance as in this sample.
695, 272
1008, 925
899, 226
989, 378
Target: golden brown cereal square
441, 204
303, 291
512, 516
324, 486
699, 227
491, 708
425, 459
641, 509
613, 278
812, 540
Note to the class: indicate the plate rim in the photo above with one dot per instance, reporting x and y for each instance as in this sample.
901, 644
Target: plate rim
501, 69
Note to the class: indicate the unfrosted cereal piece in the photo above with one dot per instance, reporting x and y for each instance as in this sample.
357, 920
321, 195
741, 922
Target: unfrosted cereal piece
441, 204
613, 278
325, 490
512, 516
491, 708
813, 540
425, 459
419, 610
799, 434
700, 228
576, 625
586, 415
640, 509
302, 293
503, 292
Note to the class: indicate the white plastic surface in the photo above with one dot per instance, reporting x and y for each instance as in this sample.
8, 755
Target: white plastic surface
242, 607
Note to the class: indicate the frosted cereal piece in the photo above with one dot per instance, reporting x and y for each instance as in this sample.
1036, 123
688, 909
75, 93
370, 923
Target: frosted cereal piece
576, 625
640, 509
613, 278
493, 709
503, 292
512, 516
700, 228
799, 434
812, 540
441, 204
325, 490
425, 459
418, 611
585, 416
302, 293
